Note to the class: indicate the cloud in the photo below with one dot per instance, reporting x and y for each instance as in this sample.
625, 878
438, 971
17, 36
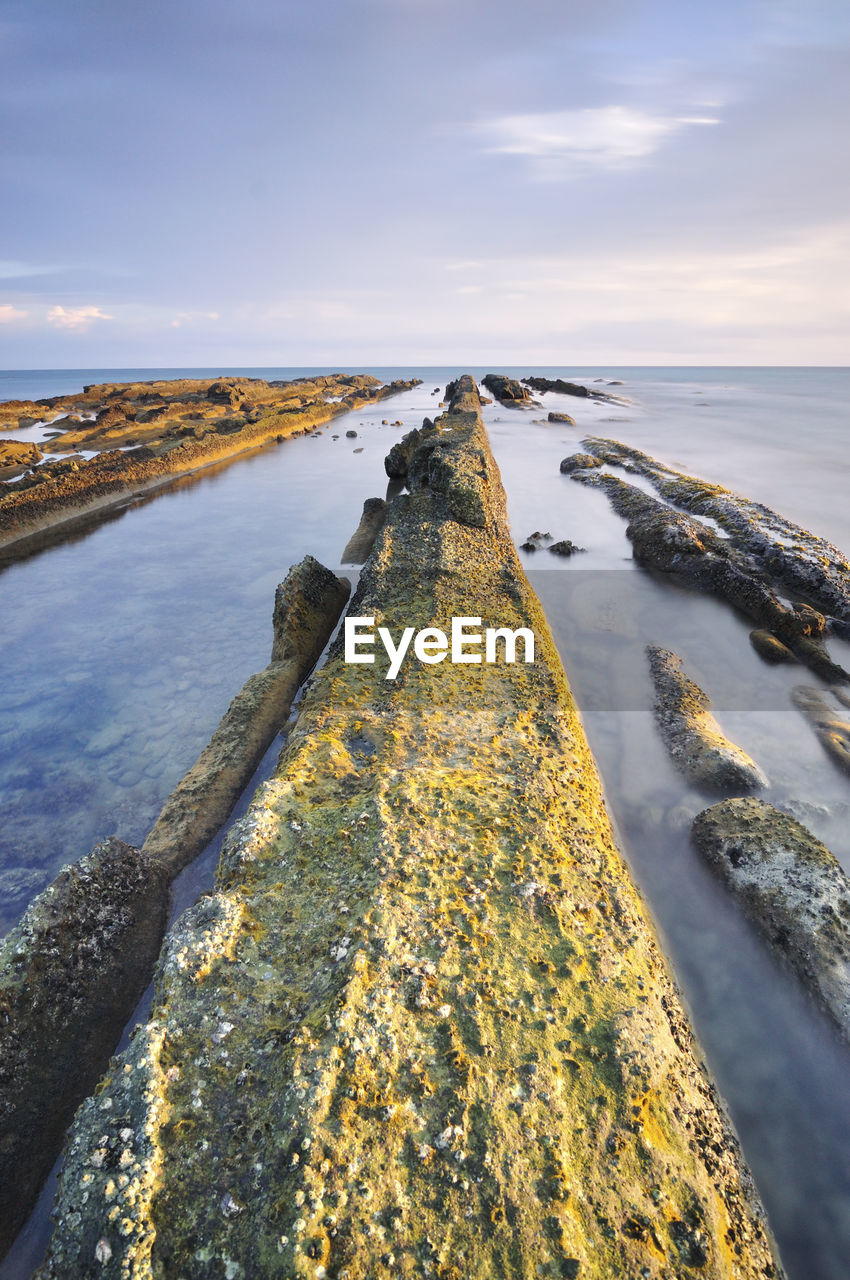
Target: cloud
591, 137
77, 319
8, 313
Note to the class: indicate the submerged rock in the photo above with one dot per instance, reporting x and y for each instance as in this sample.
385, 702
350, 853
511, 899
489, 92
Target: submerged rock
565, 548
831, 727
423, 1022
693, 737
791, 887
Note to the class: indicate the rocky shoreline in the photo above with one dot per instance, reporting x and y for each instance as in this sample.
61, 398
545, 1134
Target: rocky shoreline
422, 1026
147, 433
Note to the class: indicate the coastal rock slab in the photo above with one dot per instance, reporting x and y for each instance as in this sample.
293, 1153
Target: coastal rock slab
693, 737
791, 887
422, 1024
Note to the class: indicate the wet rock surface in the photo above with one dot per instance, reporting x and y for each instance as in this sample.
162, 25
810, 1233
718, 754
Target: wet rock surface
791, 887
422, 1024
785, 552
693, 737
146, 433
561, 417
831, 725
360, 543
71, 973
674, 543
507, 390
564, 388
767, 646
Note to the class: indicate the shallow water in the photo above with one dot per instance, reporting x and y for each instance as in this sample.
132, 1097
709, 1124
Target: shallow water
123, 647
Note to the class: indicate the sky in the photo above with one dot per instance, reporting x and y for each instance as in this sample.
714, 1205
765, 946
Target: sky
344, 182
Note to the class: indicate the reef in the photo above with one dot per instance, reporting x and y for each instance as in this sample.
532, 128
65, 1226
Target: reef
565, 388
693, 737
422, 1026
791, 887
783, 552
73, 970
690, 550
145, 433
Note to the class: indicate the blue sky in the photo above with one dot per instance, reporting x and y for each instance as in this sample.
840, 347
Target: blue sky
415, 181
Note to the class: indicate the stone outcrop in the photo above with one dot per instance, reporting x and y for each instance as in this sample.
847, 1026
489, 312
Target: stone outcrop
565, 388
147, 433
672, 542
579, 462
422, 1024
507, 390
692, 736
830, 725
360, 543
18, 453
785, 552
72, 971
561, 417
791, 887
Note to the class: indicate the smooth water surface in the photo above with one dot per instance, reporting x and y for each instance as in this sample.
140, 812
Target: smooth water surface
123, 647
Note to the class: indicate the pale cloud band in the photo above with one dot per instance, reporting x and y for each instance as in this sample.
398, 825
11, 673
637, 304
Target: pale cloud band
561, 142
77, 318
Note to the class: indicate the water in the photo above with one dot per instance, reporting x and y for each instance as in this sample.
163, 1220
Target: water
123, 647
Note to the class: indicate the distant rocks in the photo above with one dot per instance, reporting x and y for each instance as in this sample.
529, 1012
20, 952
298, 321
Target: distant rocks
561, 387
565, 548
693, 737
507, 390
351, 435
791, 887
561, 417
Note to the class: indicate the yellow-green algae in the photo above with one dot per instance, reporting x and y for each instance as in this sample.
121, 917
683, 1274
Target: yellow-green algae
422, 1027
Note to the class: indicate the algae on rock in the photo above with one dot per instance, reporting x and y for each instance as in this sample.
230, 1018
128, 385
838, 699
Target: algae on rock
422, 1027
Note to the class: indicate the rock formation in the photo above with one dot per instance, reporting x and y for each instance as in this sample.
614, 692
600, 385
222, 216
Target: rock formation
791, 887
693, 737
422, 1025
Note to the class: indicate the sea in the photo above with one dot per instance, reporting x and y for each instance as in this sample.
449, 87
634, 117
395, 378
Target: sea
123, 642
